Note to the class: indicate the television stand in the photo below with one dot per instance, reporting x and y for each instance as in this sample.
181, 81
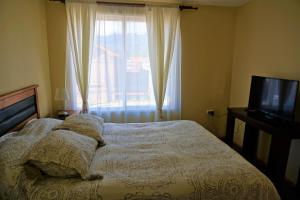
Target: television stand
268, 118
282, 134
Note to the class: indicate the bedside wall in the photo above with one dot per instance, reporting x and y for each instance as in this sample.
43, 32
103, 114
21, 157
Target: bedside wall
24, 49
207, 49
56, 28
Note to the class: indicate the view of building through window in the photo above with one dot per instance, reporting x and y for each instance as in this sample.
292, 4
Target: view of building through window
120, 70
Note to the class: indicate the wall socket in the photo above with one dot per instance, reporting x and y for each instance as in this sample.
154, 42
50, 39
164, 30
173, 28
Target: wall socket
210, 112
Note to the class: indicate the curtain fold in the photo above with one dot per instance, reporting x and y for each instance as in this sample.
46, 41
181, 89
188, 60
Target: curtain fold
162, 28
80, 36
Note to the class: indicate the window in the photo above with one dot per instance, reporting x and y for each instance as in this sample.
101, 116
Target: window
120, 72
120, 87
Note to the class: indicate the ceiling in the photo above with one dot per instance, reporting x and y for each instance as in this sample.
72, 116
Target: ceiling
234, 3
216, 2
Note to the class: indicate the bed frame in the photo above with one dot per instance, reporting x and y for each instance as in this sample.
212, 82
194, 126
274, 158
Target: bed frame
17, 108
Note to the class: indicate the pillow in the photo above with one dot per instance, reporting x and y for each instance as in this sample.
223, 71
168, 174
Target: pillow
53, 169
63, 153
39, 127
32, 120
8, 135
13, 149
85, 124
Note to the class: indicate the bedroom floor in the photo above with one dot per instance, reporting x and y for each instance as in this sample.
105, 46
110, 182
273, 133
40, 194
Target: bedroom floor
290, 193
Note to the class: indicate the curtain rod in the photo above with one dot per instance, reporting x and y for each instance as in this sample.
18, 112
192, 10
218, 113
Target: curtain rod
181, 7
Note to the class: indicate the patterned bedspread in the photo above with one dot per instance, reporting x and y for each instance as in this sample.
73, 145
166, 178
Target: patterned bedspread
177, 160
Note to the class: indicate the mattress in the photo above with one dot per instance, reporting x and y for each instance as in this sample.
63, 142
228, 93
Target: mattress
161, 161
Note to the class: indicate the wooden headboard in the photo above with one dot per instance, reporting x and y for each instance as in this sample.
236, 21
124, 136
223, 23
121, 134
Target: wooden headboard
17, 108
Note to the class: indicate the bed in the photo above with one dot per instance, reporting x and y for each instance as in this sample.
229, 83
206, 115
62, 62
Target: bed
142, 161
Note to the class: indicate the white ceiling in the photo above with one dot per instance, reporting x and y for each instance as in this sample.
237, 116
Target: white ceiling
216, 2
234, 3
194, 2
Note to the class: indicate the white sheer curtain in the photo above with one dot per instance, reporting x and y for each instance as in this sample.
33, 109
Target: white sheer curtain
80, 38
121, 89
120, 86
163, 39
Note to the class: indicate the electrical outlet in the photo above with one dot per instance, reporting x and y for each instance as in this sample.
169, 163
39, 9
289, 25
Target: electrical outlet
210, 112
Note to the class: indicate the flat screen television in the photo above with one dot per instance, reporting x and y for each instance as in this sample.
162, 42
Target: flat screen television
273, 97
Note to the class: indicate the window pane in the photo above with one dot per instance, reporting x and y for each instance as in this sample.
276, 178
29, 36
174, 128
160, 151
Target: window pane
138, 73
120, 71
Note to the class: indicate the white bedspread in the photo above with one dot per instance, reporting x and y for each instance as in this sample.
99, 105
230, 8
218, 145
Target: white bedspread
161, 161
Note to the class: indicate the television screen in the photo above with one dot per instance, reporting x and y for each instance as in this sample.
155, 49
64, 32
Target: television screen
272, 96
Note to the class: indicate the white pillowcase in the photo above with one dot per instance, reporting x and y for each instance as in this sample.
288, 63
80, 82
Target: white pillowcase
85, 124
63, 153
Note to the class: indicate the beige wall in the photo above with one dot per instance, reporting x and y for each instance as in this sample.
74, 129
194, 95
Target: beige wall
23, 48
207, 46
56, 26
267, 43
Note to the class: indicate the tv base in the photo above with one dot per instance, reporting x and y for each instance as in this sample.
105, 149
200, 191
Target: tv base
282, 135
269, 118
